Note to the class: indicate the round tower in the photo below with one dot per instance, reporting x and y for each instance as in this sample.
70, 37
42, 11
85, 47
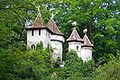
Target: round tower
56, 40
75, 42
86, 49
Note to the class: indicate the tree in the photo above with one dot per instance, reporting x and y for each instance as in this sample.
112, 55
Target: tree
75, 68
101, 18
108, 71
32, 64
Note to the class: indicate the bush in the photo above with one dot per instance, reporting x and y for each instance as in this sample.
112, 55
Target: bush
75, 67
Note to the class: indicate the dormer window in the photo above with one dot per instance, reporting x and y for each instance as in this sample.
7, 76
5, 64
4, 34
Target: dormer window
32, 32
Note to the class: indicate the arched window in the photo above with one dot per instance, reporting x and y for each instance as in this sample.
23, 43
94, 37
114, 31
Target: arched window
77, 47
33, 47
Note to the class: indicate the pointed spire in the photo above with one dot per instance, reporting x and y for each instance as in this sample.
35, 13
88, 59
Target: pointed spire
87, 42
38, 23
74, 36
52, 26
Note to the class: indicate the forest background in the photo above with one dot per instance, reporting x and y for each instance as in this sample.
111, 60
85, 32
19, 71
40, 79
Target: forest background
100, 17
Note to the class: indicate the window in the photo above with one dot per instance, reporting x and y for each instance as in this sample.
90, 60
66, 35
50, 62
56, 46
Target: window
33, 47
32, 32
48, 46
77, 47
39, 32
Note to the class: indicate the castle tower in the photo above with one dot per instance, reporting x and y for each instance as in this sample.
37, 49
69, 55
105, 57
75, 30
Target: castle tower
38, 33
86, 50
75, 42
57, 39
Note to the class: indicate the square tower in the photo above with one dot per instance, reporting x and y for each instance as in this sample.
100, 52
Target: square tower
38, 33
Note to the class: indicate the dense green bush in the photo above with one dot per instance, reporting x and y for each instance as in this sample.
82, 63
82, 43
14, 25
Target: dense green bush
36, 65
32, 64
75, 67
109, 71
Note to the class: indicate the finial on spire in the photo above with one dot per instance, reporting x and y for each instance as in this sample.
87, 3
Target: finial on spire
74, 28
52, 15
85, 30
74, 23
38, 7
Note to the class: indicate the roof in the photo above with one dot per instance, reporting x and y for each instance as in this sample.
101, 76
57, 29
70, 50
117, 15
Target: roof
38, 21
53, 27
87, 42
75, 36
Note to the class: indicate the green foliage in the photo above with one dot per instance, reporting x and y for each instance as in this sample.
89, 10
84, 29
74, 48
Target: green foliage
109, 71
75, 67
39, 46
15, 64
100, 17
36, 63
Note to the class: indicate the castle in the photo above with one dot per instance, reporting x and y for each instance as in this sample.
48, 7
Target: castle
50, 36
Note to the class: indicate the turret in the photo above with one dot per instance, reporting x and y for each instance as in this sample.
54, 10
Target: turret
57, 39
86, 50
75, 42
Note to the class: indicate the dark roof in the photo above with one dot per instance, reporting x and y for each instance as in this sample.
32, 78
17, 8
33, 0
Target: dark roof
74, 36
87, 42
53, 27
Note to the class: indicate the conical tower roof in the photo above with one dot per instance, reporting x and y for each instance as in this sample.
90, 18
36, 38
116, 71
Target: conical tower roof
74, 36
38, 23
53, 27
87, 42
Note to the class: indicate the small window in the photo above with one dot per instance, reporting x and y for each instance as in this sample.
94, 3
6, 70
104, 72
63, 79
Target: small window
77, 47
39, 32
33, 47
48, 46
32, 32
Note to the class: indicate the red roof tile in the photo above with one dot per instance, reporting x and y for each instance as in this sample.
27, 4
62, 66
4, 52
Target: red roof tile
87, 42
74, 36
38, 23
53, 27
